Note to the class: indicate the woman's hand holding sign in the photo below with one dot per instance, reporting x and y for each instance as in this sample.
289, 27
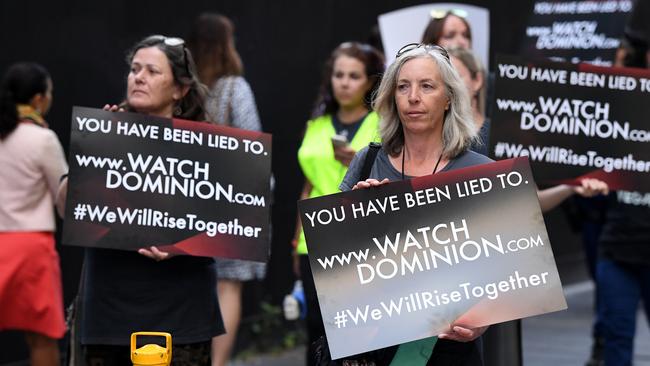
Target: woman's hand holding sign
550, 198
151, 252
590, 187
370, 183
113, 108
155, 254
461, 334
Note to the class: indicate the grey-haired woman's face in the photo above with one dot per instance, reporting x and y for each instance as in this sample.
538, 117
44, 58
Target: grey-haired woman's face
421, 96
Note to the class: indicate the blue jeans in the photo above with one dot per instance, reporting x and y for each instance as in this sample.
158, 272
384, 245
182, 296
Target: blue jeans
620, 288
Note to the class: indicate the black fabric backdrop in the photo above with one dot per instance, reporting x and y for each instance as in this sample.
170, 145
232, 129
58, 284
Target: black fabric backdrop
283, 45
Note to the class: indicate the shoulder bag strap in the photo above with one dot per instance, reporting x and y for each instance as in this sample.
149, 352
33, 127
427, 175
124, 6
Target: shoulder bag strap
371, 155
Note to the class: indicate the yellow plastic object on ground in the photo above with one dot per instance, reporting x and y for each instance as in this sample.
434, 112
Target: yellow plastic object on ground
151, 354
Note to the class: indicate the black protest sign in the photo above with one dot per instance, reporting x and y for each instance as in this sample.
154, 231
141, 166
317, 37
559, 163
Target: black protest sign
574, 121
405, 260
188, 187
576, 31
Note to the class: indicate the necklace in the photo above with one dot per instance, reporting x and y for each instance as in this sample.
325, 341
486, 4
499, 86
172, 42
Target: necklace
434, 168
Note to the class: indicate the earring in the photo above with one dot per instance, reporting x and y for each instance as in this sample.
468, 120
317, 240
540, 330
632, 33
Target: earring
178, 110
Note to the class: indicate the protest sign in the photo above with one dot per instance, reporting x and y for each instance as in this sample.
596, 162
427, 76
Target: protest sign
576, 31
405, 260
403, 26
188, 187
574, 121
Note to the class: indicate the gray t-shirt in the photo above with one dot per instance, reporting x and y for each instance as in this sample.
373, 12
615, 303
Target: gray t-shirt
382, 168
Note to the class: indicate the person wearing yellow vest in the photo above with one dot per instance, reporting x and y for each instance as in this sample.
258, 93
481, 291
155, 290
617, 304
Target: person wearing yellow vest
343, 124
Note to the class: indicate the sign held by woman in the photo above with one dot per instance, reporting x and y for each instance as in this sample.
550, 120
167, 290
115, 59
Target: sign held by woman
403, 261
191, 188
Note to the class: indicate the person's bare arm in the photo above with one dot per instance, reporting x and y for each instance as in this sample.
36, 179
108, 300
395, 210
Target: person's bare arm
550, 198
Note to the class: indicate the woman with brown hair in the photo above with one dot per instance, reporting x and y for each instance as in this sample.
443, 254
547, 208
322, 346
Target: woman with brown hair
448, 29
343, 122
151, 289
230, 102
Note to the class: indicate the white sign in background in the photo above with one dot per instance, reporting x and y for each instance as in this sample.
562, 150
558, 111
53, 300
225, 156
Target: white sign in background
404, 26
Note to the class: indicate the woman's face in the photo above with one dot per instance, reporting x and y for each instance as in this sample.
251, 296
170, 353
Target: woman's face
349, 82
46, 100
421, 96
150, 85
455, 33
472, 84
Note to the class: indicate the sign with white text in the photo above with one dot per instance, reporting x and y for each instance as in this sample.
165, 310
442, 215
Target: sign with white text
574, 121
403, 261
188, 187
576, 31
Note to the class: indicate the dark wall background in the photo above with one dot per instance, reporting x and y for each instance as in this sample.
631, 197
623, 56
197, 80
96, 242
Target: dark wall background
283, 45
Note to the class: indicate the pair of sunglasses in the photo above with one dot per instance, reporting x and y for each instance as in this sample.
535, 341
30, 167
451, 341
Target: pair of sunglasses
362, 46
441, 13
173, 42
427, 47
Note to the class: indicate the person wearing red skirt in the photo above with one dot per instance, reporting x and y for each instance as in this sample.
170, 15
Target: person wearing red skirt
31, 164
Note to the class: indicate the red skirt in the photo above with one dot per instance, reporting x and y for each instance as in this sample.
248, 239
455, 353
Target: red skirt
31, 297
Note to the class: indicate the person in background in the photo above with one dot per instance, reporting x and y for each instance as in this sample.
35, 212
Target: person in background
150, 289
230, 102
451, 30
343, 123
32, 162
473, 75
448, 29
623, 263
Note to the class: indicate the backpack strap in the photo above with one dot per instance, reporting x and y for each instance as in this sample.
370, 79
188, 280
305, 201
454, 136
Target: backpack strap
371, 155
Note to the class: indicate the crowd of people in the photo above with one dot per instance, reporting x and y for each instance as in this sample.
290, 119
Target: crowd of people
428, 111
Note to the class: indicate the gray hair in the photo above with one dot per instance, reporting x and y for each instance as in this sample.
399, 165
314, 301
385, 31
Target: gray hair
459, 130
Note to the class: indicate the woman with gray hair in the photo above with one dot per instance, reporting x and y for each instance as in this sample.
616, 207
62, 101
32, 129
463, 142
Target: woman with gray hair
426, 127
426, 120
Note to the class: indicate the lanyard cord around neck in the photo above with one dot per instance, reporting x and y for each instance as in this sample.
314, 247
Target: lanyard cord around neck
434, 168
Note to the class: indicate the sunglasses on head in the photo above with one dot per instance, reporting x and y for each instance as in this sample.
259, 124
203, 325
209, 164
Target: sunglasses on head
362, 46
169, 41
427, 47
441, 13
173, 42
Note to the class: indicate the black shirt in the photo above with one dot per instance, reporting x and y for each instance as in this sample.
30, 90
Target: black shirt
382, 168
626, 234
125, 292
347, 129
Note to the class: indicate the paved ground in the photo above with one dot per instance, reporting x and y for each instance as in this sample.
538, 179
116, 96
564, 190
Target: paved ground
564, 338
559, 339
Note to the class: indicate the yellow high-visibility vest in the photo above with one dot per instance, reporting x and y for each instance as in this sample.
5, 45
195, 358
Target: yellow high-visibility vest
316, 157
